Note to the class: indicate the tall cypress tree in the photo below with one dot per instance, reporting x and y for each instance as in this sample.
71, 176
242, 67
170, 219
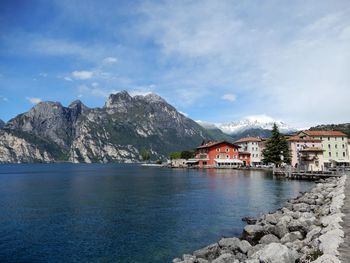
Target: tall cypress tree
276, 147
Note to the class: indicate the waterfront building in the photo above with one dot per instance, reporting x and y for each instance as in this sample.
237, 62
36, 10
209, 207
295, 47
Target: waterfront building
254, 146
221, 154
334, 144
306, 152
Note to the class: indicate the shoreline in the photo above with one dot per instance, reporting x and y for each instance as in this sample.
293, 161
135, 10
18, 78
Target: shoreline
306, 228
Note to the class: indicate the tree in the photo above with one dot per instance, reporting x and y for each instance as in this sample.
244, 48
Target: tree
146, 155
175, 155
276, 147
187, 154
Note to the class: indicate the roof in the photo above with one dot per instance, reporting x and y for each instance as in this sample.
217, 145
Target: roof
243, 152
312, 149
248, 139
297, 138
325, 133
211, 144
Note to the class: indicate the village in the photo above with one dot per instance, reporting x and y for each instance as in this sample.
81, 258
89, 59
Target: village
309, 151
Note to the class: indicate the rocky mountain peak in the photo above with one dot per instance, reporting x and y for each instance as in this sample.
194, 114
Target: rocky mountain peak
2, 124
118, 100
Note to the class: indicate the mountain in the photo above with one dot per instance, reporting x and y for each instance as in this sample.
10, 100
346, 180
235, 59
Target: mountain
118, 131
2, 123
345, 128
252, 132
234, 128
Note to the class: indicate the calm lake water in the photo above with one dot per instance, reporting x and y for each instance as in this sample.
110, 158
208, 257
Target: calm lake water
126, 213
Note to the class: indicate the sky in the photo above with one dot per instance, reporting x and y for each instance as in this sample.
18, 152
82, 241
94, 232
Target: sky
216, 61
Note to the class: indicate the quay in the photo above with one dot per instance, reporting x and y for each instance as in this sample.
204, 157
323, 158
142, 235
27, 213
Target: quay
344, 248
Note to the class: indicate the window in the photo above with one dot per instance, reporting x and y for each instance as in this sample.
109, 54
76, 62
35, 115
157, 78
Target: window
330, 154
256, 155
329, 146
336, 146
217, 156
329, 138
297, 145
218, 149
227, 149
336, 154
342, 138
313, 145
343, 145
227, 156
335, 138
343, 154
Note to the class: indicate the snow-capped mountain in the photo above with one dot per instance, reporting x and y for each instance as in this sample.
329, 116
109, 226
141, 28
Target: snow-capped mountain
251, 122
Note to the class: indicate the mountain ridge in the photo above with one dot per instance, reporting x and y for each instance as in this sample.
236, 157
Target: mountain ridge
118, 131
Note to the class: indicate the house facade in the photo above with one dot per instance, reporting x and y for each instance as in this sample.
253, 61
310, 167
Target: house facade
252, 145
334, 144
306, 152
220, 154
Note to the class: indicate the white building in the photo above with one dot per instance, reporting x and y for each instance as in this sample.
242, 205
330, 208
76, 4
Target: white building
253, 145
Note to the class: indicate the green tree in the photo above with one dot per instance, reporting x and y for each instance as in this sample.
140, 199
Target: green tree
175, 155
145, 154
187, 154
276, 147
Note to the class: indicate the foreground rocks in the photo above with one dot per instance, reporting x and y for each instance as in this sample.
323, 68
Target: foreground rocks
305, 230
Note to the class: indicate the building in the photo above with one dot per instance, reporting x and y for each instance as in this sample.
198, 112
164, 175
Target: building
252, 145
334, 144
220, 154
306, 152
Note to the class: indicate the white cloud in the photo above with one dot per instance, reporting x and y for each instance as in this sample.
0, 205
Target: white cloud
33, 100
229, 97
110, 60
82, 75
139, 93
95, 91
68, 78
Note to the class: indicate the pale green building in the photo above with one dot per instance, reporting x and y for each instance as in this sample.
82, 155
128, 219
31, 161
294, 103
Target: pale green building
335, 146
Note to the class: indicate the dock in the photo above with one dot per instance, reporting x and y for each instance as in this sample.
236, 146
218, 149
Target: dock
289, 173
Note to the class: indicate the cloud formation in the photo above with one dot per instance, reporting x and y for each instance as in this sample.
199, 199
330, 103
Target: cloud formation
229, 97
33, 100
82, 75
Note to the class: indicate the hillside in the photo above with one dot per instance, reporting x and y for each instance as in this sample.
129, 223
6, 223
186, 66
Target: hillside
344, 127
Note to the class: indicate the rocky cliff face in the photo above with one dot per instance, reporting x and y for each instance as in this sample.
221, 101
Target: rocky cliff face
116, 132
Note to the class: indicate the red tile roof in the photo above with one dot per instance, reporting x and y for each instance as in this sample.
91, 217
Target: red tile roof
211, 144
244, 153
300, 139
248, 139
325, 133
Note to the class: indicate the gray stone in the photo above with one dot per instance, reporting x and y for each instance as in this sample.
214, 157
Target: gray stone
244, 246
270, 218
231, 243
270, 238
225, 258
327, 259
302, 207
291, 237
280, 230
276, 253
209, 252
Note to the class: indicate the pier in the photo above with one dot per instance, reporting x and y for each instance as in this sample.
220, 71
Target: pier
293, 174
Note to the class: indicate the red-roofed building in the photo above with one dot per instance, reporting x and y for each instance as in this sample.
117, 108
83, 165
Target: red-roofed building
220, 154
254, 146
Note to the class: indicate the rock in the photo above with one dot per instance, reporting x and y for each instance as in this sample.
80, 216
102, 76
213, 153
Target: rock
253, 233
244, 246
276, 253
225, 258
209, 252
188, 258
249, 220
270, 218
301, 207
312, 234
330, 241
335, 218
201, 260
327, 259
176, 260
280, 230
230, 243
291, 237
267, 239
254, 249
297, 225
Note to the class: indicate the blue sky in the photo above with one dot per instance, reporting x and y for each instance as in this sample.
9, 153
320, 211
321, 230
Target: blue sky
217, 61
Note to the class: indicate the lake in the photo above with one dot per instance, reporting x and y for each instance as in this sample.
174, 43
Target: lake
127, 213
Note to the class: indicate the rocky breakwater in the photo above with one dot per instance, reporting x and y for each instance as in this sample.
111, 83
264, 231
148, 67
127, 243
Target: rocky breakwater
306, 229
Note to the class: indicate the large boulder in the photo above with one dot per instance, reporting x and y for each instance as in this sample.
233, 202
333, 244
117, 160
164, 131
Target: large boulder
230, 243
280, 230
327, 259
291, 237
253, 233
276, 253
